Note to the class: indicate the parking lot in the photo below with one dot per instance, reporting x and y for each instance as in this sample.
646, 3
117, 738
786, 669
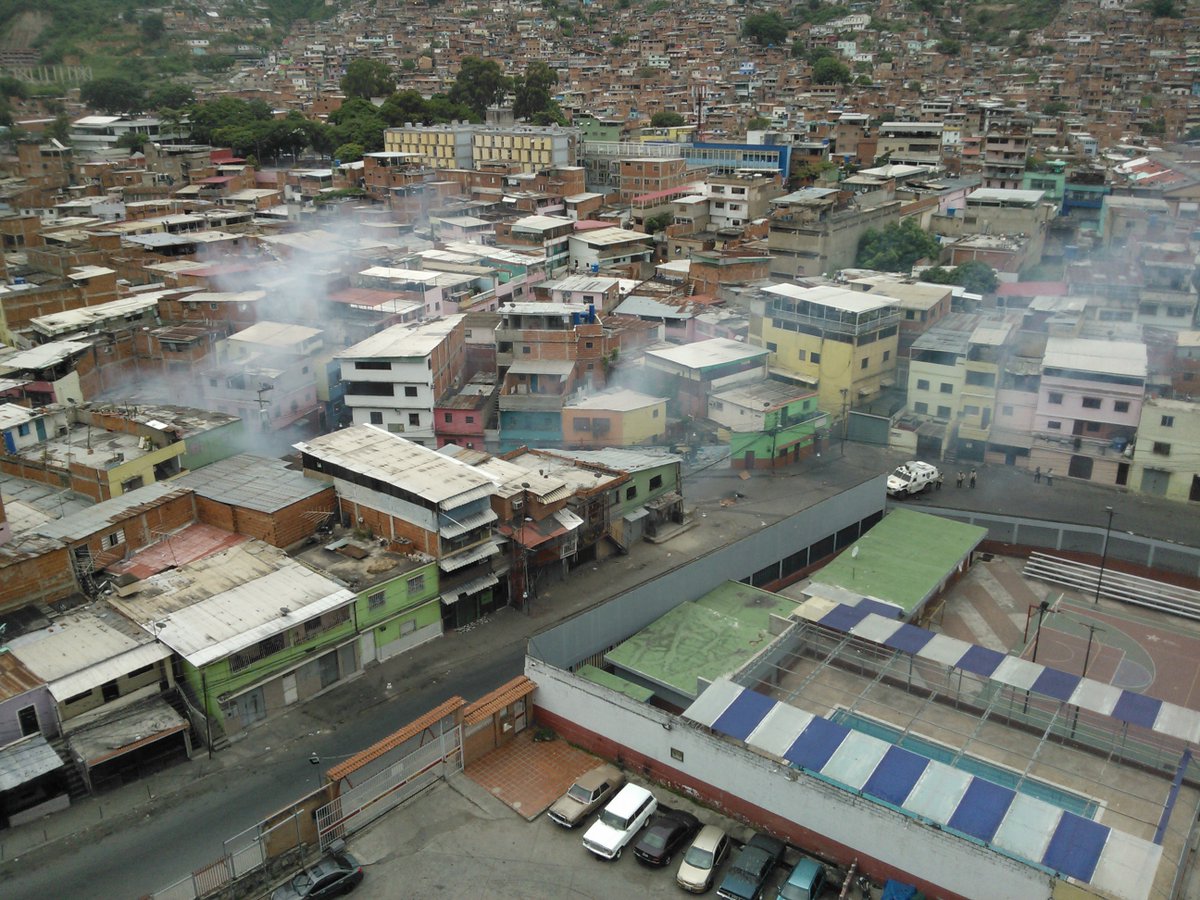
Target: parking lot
457, 840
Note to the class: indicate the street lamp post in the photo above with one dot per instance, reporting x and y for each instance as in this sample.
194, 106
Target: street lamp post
1104, 553
1042, 607
845, 417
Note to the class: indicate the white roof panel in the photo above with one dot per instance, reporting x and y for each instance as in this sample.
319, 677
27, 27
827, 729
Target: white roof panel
1103, 357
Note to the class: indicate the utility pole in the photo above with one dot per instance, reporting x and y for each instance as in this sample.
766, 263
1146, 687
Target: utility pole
845, 416
1103, 555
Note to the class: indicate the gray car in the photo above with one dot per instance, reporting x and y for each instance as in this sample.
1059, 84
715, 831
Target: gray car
331, 876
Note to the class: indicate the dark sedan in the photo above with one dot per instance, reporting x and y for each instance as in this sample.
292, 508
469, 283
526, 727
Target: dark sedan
331, 876
667, 832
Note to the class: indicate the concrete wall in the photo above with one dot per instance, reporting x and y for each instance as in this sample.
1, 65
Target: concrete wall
816, 815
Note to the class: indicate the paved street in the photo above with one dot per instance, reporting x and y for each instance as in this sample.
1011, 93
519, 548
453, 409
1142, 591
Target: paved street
144, 836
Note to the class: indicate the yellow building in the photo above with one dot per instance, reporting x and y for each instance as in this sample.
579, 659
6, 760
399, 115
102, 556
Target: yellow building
436, 146
614, 418
844, 342
473, 146
1164, 458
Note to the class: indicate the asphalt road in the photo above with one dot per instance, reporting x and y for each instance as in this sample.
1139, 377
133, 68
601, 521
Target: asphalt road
180, 837
184, 832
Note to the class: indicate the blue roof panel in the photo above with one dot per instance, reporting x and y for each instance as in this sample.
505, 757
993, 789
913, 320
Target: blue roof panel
895, 776
1075, 847
981, 660
1137, 709
1057, 684
981, 809
743, 715
909, 639
816, 743
843, 617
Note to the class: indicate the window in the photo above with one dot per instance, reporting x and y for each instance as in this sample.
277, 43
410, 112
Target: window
416, 584
28, 719
1054, 397
655, 482
772, 347
115, 539
78, 698
414, 418
1054, 426
376, 600
814, 357
654, 414
921, 409
866, 361
1167, 422
525, 349
946, 387
970, 410
587, 345
1006, 410
1121, 406
887, 354
1091, 402
1161, 449
583, 423
376, 418
410, 390
23, 429
447, 417
922, 384
470, 420
631, 492
144, 670
943, 412
1093, 426
802, 355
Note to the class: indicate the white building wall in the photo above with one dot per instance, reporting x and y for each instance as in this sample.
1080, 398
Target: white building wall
874, 831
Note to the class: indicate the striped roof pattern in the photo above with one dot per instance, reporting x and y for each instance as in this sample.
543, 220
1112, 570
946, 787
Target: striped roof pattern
973, 807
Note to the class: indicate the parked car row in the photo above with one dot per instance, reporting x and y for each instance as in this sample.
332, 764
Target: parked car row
631, 813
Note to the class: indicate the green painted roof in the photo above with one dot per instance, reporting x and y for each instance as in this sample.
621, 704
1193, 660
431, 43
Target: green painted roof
616, 682
703, 639
904, 558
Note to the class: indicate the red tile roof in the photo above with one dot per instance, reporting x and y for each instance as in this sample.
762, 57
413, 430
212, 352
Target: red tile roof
395, 739
505, 695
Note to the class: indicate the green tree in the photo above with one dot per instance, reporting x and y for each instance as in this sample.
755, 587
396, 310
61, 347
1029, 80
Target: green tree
13, 88
60, 129
1162, 9
348, 153
896, 248
113, 95
170, 95
358, 122
666, 119
152, 27
758, 123
532, 90
131, 141
977, 277
655, 224
948, 48
367, 78
830, 71
478, 85
1054, 108
765, 29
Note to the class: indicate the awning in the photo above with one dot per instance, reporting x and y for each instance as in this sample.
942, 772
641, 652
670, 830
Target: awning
124, 730
467, 523
110, 669
459, 560
26, 759
467, 588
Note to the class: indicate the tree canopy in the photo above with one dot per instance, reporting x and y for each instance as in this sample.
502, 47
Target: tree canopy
896, 248
765, 29
829, 70
666, 119
977, 277
113, 95
532, 95
367, 78
478, 85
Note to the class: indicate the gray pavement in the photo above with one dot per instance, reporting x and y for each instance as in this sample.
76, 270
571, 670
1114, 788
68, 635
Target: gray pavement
185, 812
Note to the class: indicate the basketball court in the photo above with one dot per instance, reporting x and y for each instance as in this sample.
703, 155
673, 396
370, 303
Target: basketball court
1150, 653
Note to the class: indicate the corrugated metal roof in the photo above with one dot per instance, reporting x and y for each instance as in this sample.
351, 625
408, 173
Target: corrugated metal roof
467, 588
616, 400
1104, 357
115, 732
838, 298
25, 760
15, 678
102, 673
390, 458
621, 460
647, 306
461, 560
251, 482
706, 354
87, 522
404, 341
43, 355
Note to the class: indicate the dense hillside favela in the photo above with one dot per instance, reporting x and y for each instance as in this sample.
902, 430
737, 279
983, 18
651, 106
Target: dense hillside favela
329, 329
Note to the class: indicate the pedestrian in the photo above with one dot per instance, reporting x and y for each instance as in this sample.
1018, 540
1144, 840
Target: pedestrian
1037, 475
958, 481
1049, 477
940, 478
972, 478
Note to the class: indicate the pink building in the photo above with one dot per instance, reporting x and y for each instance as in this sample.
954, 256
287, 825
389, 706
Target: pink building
1088, 407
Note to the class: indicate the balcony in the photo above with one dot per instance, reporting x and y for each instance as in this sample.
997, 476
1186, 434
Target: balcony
823, 319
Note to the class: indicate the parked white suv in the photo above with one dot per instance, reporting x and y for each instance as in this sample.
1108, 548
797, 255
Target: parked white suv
624, 816
912, 478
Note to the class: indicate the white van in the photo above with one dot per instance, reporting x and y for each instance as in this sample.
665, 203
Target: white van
624, 816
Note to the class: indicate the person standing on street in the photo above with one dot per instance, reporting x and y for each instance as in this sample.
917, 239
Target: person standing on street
972, 478
1037, 474
1049, 477
959, 481
940, 478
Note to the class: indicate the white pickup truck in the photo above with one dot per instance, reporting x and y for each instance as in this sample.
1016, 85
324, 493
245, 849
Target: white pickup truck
912, 478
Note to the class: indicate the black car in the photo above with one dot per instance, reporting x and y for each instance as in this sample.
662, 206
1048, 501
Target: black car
331, 876
667, 832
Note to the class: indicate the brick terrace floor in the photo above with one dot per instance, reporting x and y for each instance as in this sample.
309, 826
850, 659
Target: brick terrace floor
529, 775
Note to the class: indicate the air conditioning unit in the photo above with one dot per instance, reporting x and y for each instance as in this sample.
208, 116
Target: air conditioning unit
518, 502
